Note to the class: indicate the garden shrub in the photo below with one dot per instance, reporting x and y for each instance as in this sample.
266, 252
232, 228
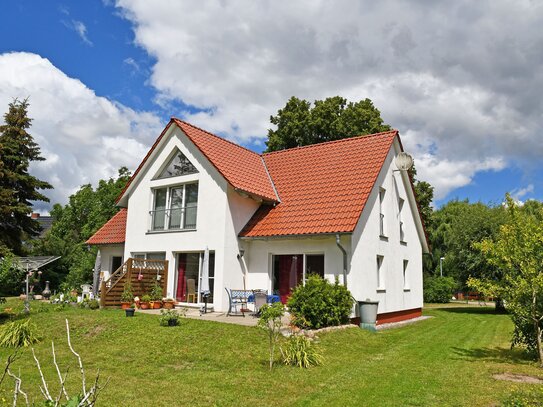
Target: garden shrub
319, 304
18, 333
438, 289
300, 351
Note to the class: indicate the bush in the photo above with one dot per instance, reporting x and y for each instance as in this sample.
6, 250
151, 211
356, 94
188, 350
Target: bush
319, 303
438, 289
170, 317
19, 333
127, 295
90, 304
300, 351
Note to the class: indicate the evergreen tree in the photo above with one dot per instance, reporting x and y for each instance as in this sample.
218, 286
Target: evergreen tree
17, 187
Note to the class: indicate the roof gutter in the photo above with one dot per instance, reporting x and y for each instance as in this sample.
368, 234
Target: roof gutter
338, 243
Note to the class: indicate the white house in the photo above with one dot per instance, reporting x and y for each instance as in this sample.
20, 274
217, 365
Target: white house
340, 209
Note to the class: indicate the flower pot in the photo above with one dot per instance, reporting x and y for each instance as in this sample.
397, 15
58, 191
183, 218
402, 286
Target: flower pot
129, 312
157, 305
172, 322
144, 305
125, 305
169, 305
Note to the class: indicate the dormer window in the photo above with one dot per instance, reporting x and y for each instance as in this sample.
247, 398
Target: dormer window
178, 165
175, 208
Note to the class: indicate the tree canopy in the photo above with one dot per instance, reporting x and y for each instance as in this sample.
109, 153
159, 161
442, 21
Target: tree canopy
17, 187
300, 124
86, 212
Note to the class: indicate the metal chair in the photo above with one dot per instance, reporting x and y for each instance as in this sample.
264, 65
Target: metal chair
261, 298
237, 302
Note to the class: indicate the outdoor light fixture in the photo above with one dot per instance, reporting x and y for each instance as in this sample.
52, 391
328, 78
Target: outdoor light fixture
241, 253
441, 266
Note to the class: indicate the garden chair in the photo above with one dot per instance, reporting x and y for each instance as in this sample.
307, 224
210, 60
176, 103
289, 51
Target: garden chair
237, 302
191, 290
260, 298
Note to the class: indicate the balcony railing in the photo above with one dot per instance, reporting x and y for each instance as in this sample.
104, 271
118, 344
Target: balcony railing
173, 219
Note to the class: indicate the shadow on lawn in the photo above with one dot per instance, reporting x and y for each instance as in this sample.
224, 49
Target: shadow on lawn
471, 310
498, 355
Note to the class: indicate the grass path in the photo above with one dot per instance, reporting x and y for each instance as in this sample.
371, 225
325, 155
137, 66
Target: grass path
447, 360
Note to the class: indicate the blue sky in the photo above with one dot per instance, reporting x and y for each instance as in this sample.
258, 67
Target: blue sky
104, 78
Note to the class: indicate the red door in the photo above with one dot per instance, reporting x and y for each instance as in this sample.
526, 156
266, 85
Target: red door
288, 273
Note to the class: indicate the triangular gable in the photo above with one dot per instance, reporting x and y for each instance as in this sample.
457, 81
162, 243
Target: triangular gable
242, 168
177, 165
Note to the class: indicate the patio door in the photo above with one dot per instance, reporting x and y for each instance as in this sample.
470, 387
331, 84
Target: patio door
189, 276
287, 274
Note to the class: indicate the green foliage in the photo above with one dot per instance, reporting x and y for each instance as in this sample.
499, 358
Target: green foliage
170, 317
299, 124
517, 251
300, 351
87, 210
319, 303
456, 226
270, 321
18, 333
17, 187
524, 397
11, 277
127, 294
146, 298
438, 289
424, 193
90, 304
156, 292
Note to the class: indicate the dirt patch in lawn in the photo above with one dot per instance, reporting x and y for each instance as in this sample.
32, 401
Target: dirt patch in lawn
518, 378
96, 330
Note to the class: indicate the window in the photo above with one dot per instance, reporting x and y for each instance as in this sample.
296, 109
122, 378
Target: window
116, 262
189, 277
400, 218
178, 165
382, 223
405, 279
380, 273
314, 264
175, 207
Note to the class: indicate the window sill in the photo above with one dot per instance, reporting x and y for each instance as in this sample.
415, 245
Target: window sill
403, 242
157, 232
383, 238
381, 290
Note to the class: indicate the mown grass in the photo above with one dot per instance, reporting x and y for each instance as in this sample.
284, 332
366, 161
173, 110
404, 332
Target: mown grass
447, 360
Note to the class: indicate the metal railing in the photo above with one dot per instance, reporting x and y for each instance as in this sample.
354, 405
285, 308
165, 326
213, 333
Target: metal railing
174, 219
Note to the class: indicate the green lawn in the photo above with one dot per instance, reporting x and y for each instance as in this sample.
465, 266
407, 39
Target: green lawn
446, 360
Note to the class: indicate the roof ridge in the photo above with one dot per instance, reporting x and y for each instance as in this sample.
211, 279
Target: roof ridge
332, 142
214, 135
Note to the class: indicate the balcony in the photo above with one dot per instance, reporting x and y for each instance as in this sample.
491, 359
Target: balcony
173, 219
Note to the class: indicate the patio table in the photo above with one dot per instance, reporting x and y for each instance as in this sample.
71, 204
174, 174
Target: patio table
270, 298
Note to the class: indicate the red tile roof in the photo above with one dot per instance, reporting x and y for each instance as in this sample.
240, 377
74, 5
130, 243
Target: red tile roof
323, 187
112, 232
241, 167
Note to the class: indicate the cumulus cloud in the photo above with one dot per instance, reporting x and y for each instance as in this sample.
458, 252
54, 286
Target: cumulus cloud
83, 137
461, 81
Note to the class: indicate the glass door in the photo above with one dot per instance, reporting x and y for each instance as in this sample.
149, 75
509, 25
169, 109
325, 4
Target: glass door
287, 274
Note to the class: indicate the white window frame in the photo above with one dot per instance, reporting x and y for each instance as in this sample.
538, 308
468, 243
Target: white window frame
382, 217
405, 265
401, 204
167, 209
380, 273
200, 264
304, 277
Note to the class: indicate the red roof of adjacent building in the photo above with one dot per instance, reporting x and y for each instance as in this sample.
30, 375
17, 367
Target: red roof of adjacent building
112, 232
323, 187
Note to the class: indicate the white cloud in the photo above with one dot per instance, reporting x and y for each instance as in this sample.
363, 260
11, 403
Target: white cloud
79, 27
460, 81
519, 193
83, 137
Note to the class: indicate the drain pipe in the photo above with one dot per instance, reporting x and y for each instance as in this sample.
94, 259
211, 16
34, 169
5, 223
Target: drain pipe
338, 243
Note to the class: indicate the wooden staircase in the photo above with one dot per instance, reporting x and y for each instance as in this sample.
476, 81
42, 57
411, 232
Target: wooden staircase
143, 274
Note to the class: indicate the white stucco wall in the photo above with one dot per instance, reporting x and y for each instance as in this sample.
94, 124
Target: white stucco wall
367, 245
106, 253
221, 215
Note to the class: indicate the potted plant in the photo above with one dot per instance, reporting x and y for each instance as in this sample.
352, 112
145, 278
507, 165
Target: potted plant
129, 312
169, 317
127, 297
144, 303
156, 296
168, 303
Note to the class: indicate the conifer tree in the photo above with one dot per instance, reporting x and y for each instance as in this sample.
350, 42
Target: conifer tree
17, 187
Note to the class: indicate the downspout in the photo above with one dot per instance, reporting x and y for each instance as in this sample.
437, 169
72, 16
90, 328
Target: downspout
338, 243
